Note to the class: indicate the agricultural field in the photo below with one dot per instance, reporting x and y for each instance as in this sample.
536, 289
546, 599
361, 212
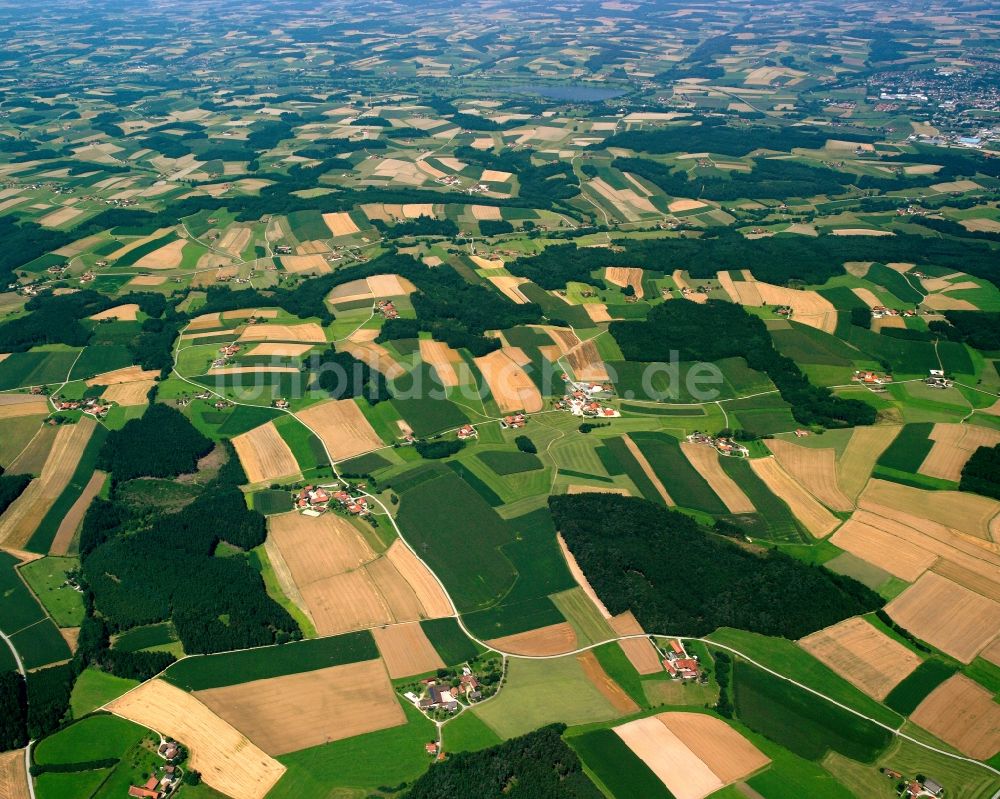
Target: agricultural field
315, 324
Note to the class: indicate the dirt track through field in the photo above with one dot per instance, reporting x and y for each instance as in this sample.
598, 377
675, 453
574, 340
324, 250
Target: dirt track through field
226, 758
343, 428
265, 455
74, 518
647, 469
299, 711
19, 522
406, 650
928, 609
813, 516
814, 469
864, 656
705, 460
962, 713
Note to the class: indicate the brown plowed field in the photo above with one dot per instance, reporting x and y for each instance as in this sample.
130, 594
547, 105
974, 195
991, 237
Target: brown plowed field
374, 355
406, 650
728, 754
946, 615
13, 777
264, 454
900, 557
862, 655
298, 711
962, 713
226, 758
587, 362
611, 690
340, 224
390, 286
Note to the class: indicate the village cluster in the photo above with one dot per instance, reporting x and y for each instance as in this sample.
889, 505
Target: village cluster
316, 500
584, 399
722, 444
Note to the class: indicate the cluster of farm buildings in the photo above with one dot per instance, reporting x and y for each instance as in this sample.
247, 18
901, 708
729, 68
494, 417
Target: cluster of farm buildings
226, 354
679, 664
583, 399
314, 500
439, 696
167, 779
91, 406
723, 445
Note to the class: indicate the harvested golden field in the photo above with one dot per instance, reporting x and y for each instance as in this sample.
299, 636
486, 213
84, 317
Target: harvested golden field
685, 205
307, 331
205, 322
508, 286
682, 283
962, 713
488, 212
406, 650
808, 307
946, 615
860, 231
509, 384
227, 759
280, 350
945, 302
417, 210
954, 444
625, 276
648, 469
863, 655
705, 460
992, 652
123, 313
375, 355
867, 296
342, 427
298, 711
981, 225
587, 363
597, 311
433, 600
640, 651
390, 286
969, 513
314, 264
168, 256
609, 689
581, 578
74, 518
264, 454
130, 374
442, 358
728, 754
129, 394
344, 602
865, 447
681, 770
340, 224
486, 263
19, 522
898, 556
555, 639
565, 339
815, 469
31, 459
813, 516
315, 548
13, 777
148, 280
14, 406
956, 185
351, 292
577, 488
60, 217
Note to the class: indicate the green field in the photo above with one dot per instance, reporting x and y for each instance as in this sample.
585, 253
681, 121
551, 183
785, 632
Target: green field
40, 644
471, 566
38, 367
907, 452
588, 624
98, 737
139, 638
270, 501
774, 519
19, 607
355, 767
616, 767
428, 416
453, 645
47, 578
306, 447
93, 688
468, 733
686, 487
905, 697
505, 462
803, 723
70, 785
540, 692
214, 671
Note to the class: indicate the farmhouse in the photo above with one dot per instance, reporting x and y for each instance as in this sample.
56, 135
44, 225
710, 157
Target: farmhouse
438, 697
387, 309
724, 446
281, 404
936, 379
515, 422
870, 378
467, 431
679, 664
579, 404
313, 498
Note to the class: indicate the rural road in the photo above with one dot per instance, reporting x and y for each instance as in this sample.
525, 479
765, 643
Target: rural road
461, 623
27, 749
